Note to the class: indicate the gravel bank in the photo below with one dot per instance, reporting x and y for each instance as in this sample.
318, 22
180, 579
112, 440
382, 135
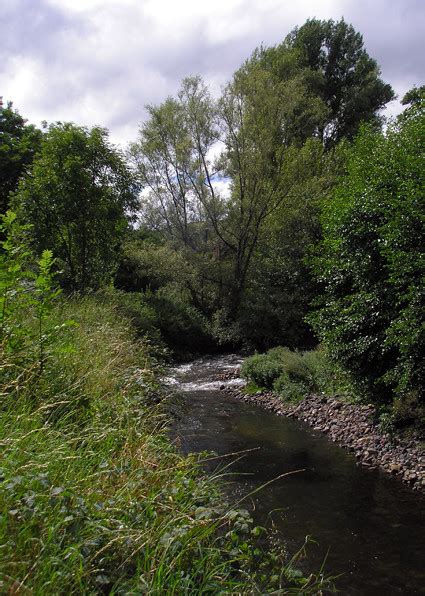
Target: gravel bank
351, 427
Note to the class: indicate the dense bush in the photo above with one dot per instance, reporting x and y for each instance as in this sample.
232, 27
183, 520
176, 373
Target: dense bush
295, 374
279, 369
290, 390
183, 328
371, 262
263, 371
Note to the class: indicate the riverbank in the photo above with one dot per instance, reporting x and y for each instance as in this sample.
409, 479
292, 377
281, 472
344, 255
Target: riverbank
352, 427
94, 496
367, 525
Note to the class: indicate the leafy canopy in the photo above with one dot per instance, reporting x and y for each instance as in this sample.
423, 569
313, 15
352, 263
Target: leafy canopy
330, 59
77, 199
19, 143
371, 262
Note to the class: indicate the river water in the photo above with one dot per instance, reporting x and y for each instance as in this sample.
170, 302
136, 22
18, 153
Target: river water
368, 526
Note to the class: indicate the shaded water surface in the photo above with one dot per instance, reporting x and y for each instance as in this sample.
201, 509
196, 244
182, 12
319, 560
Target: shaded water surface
369, 525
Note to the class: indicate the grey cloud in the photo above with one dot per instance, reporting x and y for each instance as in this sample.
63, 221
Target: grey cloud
393, 34
104, 67
35, 28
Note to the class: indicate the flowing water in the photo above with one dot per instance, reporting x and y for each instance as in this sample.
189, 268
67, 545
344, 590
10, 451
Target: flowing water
368, 526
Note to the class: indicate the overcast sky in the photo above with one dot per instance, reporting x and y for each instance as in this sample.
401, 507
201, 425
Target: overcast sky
102, 61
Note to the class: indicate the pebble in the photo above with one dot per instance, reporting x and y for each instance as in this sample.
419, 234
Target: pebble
353, 428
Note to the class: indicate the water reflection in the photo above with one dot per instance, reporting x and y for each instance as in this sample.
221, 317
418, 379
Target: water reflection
372, 525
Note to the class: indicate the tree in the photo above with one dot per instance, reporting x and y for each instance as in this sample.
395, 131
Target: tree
19, 142
174, 165
174, 157
414, 97
371, 263
330, 58
258, 115
281, 286
176, 169
77, 198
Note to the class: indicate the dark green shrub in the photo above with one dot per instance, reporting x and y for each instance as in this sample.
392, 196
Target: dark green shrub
326, 375
370, 263
290, 390
183, 328
263, 371
295, 374
296, 369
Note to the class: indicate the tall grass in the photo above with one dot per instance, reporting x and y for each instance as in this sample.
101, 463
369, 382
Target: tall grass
93, 497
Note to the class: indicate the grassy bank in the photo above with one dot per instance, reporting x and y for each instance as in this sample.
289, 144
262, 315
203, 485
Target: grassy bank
93, 497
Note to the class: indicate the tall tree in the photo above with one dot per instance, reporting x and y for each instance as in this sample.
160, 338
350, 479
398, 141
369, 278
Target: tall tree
280, 285
258, 115
19, 143
77, 198
174, 157
175, 164
173, 160
331, 59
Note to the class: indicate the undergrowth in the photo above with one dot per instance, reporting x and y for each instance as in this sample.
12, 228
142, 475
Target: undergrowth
294, 374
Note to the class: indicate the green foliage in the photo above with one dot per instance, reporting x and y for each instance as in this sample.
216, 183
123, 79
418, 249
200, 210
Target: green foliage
183, 328
27, 293
244, 253
326, 376
173, 287
77, 199
92, 505
295, 374
371, 262
93, 497
265, 369
262, 371
148, 264
19, 142
414, 97
218, 235
172, 160
336, 68
290, 390
281, 286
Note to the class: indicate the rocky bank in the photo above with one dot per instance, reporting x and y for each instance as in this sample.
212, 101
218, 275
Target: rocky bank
352, 427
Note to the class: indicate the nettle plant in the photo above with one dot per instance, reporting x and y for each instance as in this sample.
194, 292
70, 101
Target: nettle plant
27, 296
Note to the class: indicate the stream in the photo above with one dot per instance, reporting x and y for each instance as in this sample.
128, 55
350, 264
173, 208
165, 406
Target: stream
366, 525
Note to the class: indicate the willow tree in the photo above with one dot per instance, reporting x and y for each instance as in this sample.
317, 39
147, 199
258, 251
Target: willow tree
248, 131
174, 159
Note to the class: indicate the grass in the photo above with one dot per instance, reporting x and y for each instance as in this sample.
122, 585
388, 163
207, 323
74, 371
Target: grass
93, 497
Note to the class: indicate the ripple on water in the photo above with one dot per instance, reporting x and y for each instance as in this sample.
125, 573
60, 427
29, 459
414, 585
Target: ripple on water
209, 385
